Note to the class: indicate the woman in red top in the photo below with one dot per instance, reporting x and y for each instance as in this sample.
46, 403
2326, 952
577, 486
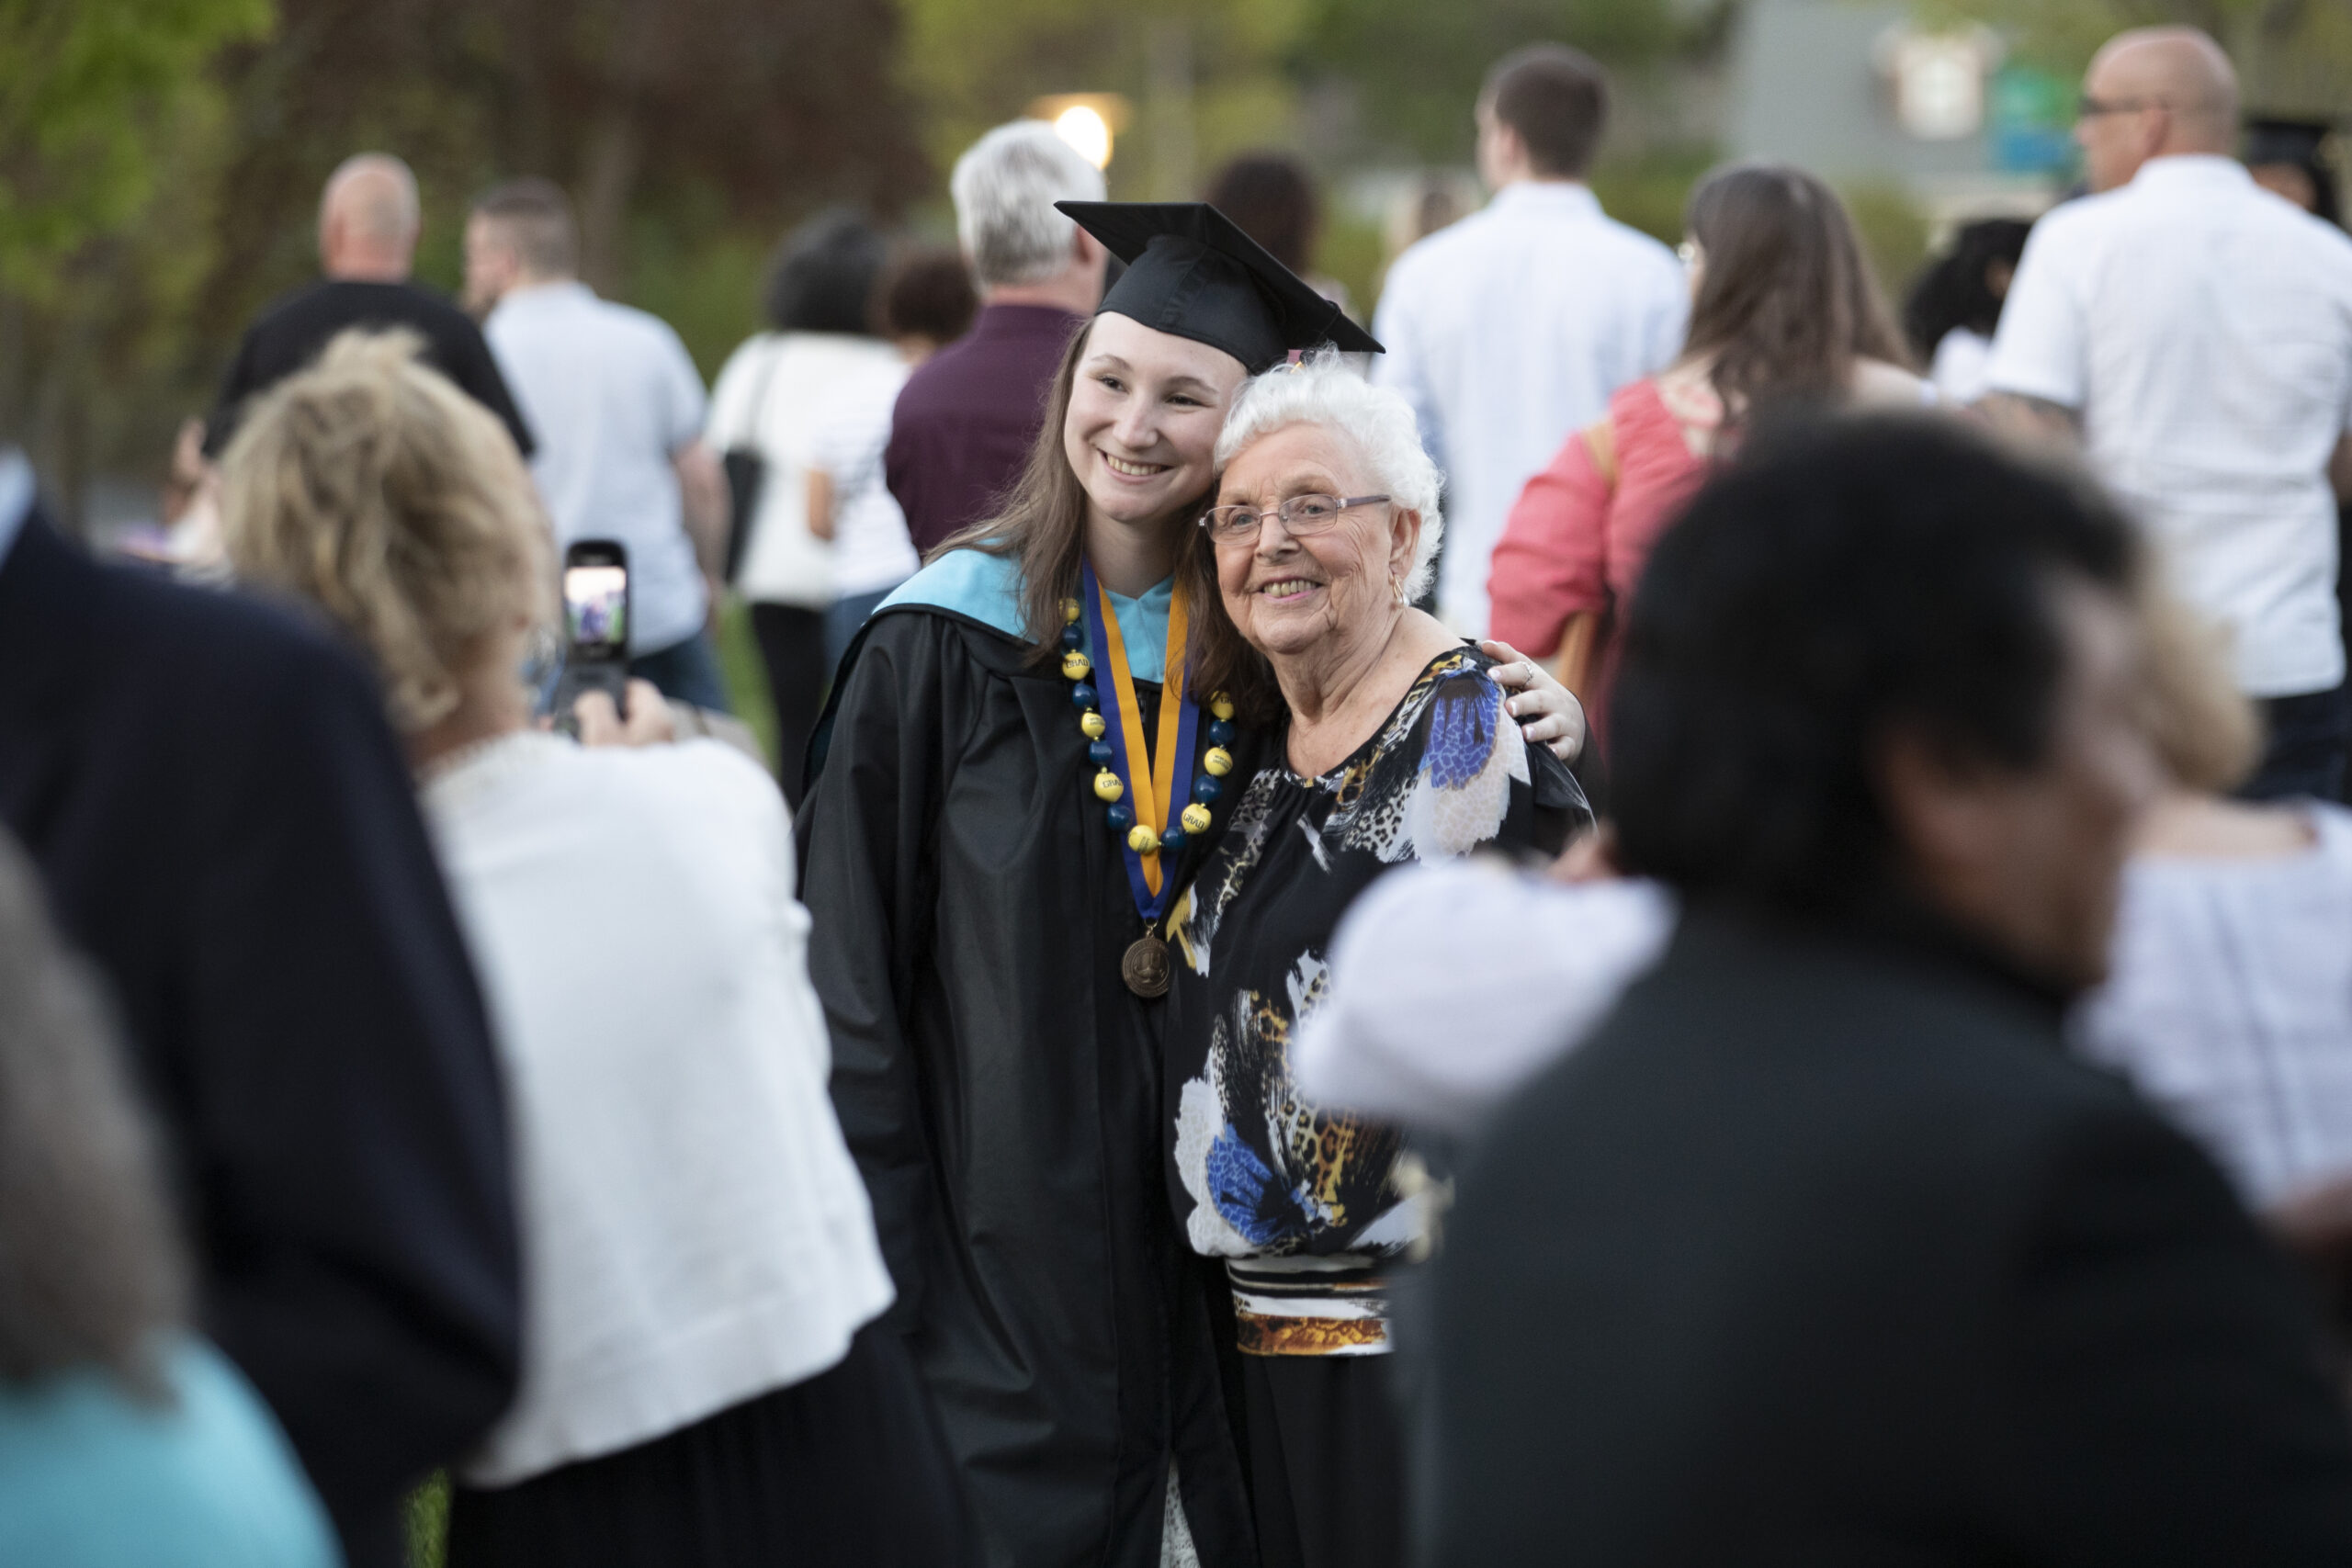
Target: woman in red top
1783, 310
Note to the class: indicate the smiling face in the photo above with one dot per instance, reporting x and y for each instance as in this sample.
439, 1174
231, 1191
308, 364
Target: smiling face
1290, 597
1144, 415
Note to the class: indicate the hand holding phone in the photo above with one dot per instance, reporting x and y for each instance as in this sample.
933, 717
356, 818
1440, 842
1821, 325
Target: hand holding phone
597, 629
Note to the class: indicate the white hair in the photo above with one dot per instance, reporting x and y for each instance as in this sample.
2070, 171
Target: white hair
1324, 390
1004, 187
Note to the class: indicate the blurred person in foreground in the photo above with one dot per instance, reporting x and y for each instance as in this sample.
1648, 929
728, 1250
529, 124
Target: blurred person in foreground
1955, 306
1512, 328
1395, 747
1822, 1247
126, 1440
1785, 312
966, 419
923, 302
2229, 1000
772, 393
701, 1381
368, 222
2192, 332
619, 408
225, 825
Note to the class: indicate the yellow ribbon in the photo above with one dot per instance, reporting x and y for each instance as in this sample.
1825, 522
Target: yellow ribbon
1153, 787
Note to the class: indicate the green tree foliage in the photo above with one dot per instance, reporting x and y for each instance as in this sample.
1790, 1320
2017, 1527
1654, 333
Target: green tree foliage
1205, 78
96, 90
704, 114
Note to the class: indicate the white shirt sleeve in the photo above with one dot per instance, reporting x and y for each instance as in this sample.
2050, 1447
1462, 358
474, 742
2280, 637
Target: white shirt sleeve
2041, 349
1453, 984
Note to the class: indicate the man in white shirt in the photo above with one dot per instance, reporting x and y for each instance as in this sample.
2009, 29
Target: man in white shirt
1509, 330
2193, 333
617, 407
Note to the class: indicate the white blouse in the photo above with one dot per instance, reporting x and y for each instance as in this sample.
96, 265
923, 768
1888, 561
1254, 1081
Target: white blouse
772, 395
2230, 1005
693, 1230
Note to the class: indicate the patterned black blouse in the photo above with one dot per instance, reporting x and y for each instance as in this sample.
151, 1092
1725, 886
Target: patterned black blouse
1255, 1173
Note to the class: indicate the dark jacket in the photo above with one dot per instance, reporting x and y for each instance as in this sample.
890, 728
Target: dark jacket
1821, 1252
1000, 1088
296, 329
225, 824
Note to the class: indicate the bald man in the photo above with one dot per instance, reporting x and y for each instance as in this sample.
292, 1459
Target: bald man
2193, 333
368, 222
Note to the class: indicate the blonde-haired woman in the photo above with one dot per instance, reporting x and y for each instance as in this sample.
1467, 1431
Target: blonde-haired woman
700, 1384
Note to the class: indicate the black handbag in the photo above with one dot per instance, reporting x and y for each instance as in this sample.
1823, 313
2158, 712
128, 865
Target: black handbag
745, 470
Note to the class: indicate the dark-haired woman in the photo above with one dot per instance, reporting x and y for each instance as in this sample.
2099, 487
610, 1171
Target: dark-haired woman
772, 395
1011, 783
1955, 306
1785, 312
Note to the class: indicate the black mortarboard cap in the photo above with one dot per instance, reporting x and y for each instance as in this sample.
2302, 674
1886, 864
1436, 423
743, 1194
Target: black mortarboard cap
2272, 141
1193, 272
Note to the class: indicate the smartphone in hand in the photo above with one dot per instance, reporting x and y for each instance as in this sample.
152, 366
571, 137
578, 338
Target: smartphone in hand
596, 627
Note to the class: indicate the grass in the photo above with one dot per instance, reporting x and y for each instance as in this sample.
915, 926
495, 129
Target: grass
747, 680
427, 1517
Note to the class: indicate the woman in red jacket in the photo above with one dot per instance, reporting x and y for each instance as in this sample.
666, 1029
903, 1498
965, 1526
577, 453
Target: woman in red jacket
1784, 310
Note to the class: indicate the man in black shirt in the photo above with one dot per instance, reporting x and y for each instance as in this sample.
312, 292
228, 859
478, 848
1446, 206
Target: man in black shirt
367, 227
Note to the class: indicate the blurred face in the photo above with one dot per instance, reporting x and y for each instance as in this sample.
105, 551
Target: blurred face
1502, 156
491, 266
2030, 861
2291, 180
1289, 596
2119, 126
1144, 416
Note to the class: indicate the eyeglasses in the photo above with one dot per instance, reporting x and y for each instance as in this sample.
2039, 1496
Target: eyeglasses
2088, 107
1301, 516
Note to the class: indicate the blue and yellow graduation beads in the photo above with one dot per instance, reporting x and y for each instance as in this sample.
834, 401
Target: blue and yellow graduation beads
1138, 786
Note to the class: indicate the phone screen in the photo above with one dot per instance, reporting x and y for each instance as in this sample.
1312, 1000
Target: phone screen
596, 608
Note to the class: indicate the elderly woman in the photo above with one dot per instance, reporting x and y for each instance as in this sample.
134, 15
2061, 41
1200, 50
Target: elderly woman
702, 1382
1389, 744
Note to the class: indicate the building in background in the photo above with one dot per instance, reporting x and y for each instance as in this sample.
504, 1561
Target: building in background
1866, 96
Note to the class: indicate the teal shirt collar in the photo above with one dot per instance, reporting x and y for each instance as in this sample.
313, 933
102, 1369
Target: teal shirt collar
987, 589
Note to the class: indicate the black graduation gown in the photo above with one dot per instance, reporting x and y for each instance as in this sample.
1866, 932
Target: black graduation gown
1000, 1088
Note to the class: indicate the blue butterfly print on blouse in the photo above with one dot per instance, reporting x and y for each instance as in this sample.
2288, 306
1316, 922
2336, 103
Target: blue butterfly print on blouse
1249, 1195
1472, 754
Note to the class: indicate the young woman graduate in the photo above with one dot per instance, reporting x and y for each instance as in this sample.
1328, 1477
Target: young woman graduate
1009, 786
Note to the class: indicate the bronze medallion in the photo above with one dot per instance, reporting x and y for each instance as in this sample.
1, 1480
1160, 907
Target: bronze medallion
1145, 967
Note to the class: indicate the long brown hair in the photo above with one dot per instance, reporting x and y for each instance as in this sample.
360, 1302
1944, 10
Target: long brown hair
1042, 525
1787, 301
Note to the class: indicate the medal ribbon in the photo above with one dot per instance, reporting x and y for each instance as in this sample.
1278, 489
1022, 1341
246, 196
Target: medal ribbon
1160, 781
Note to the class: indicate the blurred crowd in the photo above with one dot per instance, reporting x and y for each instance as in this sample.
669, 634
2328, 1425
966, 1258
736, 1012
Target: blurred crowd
1642, 909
